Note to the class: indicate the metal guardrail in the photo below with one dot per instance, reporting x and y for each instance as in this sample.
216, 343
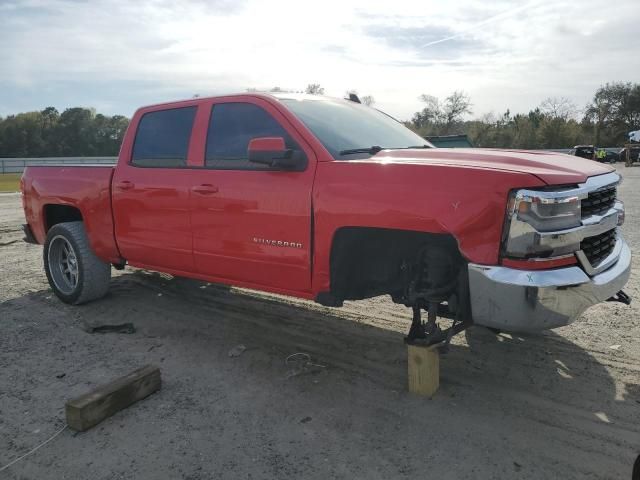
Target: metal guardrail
17, 165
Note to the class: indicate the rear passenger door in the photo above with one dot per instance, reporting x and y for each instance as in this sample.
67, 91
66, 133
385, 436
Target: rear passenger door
151, 191
252, 224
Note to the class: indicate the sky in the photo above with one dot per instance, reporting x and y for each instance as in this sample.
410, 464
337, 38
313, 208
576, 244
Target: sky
118, 55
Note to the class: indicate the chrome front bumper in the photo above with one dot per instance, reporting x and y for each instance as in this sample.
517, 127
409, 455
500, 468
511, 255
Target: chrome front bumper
521, 300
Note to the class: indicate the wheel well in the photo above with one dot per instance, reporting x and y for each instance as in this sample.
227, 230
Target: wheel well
366, 262
54, 214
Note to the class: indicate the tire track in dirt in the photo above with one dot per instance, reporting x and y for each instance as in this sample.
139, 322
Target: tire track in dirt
274, 322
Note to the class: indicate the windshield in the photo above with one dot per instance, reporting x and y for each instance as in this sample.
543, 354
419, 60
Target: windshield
343, 125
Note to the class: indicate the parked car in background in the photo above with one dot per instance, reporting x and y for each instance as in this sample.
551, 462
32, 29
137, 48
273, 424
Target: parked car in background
612, 156
584, 151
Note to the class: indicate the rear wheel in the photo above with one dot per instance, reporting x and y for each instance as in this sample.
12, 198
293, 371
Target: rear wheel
74, 272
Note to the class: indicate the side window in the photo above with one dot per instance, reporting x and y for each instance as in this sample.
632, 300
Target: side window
162, 139
231, 127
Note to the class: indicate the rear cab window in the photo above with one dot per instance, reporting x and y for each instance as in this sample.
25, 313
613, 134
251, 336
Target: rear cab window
162, 138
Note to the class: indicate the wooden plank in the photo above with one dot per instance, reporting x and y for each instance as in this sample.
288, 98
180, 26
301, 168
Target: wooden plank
423, 369
91, 408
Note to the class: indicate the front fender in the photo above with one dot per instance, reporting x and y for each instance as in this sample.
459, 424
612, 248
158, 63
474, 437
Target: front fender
466, 203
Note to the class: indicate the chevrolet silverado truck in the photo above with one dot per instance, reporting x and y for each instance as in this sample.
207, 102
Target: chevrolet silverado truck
330, 200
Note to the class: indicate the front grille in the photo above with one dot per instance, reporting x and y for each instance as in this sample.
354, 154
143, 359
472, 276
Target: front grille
598, 247
599, 201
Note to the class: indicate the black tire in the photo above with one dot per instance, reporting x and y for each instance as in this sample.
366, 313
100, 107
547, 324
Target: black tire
74, 272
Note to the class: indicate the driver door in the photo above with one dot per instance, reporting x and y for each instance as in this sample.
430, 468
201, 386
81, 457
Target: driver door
251, 224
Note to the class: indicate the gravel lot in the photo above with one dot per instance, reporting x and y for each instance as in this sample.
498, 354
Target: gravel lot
565, 404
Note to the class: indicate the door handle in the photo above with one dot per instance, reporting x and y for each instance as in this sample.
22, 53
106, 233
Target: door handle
125, 185
205, 189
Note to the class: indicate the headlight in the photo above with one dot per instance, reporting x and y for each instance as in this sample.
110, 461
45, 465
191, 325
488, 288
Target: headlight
548, 213
532, 219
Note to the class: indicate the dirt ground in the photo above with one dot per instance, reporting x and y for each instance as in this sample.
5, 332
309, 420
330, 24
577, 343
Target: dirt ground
565, 404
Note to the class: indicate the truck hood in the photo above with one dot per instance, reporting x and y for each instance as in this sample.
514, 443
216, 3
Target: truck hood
550, 167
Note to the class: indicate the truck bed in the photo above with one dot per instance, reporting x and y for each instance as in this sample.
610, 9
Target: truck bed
84, 188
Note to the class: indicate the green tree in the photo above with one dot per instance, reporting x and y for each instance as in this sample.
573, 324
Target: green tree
442, 117
455, 107
75, 132
430, 116
613, 112
22, 134
49, 120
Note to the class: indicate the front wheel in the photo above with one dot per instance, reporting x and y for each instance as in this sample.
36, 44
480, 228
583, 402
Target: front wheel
74, 272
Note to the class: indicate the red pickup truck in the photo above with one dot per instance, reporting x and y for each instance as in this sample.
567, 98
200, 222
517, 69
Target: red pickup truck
330, 200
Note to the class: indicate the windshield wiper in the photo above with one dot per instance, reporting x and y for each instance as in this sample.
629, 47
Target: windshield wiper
375, 149
370, 150
406, 148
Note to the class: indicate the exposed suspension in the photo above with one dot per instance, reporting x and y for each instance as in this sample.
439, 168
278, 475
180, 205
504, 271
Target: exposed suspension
436, 284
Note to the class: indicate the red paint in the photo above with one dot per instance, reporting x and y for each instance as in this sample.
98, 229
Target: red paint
86, 188
267, 144
550, 167
539, 264
254, 228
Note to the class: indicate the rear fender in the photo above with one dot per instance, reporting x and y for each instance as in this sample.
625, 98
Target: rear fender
65, 190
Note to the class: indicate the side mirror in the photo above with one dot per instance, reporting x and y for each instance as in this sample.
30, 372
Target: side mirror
273, 152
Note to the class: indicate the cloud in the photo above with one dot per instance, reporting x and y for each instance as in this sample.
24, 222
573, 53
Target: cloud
119, 54
426, 41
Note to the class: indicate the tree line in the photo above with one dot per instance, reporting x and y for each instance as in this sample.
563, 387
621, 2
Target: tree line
613, 112
605, 121
49, 133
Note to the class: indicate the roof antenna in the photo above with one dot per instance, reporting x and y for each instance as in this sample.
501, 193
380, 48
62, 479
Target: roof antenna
354, 98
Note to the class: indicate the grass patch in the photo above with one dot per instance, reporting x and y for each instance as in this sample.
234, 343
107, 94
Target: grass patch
10, 182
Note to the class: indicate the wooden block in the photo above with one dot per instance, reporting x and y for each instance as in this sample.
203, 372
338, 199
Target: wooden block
91, 408
423, 369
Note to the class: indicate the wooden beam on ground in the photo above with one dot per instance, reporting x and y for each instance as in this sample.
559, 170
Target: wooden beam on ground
423, 369
91, 408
